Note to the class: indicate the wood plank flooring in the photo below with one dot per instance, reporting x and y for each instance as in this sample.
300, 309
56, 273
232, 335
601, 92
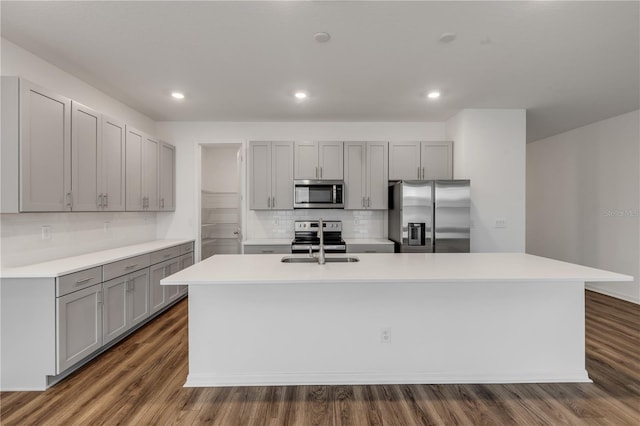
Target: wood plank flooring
139, 382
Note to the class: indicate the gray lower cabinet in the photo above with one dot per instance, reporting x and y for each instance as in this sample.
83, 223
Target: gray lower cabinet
186, 260
78, 326
268, 249
66, 320
126, 303
161, 295
370, 248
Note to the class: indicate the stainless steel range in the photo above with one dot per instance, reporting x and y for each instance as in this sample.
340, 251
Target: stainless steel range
306, 237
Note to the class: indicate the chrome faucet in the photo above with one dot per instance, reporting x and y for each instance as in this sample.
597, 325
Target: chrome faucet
321, 260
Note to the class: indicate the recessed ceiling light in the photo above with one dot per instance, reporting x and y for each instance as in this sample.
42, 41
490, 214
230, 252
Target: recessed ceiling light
446, 37
433, 95
301, 95
322, 37
177, 95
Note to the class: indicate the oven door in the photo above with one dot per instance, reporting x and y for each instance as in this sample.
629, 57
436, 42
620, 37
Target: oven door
310, 194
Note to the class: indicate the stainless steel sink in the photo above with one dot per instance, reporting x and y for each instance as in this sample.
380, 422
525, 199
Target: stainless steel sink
291, 259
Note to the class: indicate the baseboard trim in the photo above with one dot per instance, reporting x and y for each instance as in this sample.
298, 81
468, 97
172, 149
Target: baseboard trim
367, 378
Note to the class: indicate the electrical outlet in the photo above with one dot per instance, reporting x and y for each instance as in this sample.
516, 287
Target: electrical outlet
45, 232
385, 335
501, 223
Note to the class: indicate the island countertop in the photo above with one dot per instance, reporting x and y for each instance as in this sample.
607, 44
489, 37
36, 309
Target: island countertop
386, 268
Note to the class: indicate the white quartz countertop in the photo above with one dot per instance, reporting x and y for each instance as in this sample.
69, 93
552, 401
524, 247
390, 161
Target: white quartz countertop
68, 265
388, 268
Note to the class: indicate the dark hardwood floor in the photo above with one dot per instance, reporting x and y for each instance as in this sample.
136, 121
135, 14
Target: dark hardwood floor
140, 382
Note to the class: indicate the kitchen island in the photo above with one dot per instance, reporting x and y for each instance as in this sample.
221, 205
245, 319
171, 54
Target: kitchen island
388, 318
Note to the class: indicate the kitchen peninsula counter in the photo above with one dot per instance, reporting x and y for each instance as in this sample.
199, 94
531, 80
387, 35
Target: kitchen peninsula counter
389, 318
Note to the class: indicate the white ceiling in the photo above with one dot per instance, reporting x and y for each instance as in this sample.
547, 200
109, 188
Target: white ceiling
567, 63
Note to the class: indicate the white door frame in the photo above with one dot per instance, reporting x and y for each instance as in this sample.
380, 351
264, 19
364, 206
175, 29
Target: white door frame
242, 144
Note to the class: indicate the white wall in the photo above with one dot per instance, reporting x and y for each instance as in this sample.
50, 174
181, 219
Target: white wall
71, 233
19, 62
583, 199
489, 149
188, 135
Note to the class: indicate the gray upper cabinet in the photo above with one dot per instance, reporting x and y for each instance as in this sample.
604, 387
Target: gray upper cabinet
271, 175
319, 160
437, 160
59, 155
112, 165
86, 138
167, 177
365, 175
150, 159
420, 160
142, 158
133, 155
36, 148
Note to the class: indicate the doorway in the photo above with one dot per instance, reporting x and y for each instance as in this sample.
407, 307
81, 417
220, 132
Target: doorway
220, 200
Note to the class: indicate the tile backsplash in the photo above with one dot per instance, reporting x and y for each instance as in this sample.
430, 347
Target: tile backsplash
279, 223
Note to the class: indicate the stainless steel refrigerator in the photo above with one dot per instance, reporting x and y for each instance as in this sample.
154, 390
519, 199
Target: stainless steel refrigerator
430, 216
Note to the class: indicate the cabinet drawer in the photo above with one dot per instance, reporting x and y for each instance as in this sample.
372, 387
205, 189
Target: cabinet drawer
186, 248
78, 280
122, 267
268, 249
165, 254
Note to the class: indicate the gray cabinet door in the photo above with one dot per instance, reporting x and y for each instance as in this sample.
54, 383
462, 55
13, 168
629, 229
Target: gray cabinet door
133, 166
138, 297
260, 175
150, 159
186, 260
45, 150
330, 160
112, 161
437, 160
172, 291
78, 325
282, 175
114, 310
354, 175
86, 137
404, 161
167, 177
377, 175
306, 160
157, 293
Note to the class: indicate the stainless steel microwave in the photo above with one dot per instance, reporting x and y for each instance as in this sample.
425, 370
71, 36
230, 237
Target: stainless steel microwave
318, 194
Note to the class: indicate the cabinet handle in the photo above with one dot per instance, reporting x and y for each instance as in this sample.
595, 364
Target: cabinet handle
99, 295
100, 202
273, 202
362, 201
131, 266
423, 173
368, 202
267, 251
106, 200
268, 202
85, 280
162, 202
167, 255
320, 172
316, 172
69, 199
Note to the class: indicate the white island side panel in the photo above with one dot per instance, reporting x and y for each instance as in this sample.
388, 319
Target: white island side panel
330, 333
